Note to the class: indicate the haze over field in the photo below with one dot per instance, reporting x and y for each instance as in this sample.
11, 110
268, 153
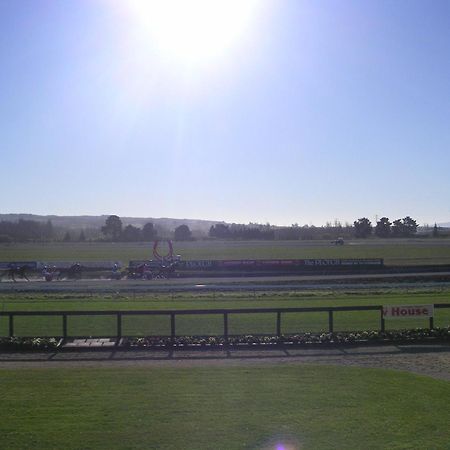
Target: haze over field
265, 111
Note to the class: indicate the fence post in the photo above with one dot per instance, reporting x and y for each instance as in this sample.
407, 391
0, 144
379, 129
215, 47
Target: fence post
278, 323
64, 325
172, 326
330, 320
382, 321
119, 326
225, 327
431, 323
11, 325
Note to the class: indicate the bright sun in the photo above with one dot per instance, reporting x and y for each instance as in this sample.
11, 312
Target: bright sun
191, 31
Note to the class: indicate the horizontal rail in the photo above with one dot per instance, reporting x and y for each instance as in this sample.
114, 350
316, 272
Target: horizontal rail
163, 312
191, 311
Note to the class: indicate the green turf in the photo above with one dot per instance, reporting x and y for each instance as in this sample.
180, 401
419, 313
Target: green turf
210, 324
307, 407
399, 251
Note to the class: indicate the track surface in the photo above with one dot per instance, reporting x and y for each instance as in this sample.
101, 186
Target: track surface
429, 360
358, 281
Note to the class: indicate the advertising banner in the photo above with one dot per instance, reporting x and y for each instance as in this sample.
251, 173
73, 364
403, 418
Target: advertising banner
406, 311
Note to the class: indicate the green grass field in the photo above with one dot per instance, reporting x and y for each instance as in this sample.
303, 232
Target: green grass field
395, 252
213, 324
248, 407
267, 407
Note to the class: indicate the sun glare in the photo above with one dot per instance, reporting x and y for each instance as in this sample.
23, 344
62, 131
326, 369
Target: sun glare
191, 31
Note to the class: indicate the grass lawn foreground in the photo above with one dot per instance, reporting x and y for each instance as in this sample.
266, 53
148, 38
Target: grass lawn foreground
307, 407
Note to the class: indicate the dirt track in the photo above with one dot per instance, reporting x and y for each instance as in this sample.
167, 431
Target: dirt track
429, 360
355, 281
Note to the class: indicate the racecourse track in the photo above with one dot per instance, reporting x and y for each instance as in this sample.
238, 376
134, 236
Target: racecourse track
431, 360
272, 283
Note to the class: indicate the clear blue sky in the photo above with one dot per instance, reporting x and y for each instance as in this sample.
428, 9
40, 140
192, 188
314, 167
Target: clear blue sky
318, 110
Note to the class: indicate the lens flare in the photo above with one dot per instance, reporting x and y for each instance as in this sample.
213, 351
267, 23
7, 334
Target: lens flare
282, 443
191, 31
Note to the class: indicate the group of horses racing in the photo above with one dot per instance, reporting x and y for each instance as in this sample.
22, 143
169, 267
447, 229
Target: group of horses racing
77, 271
161, 268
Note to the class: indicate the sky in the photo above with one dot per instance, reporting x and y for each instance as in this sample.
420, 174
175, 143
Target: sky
243, 111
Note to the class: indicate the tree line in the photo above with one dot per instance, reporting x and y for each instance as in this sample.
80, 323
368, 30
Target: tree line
361, 228
237, 231
384, 228
114, 230
26, 230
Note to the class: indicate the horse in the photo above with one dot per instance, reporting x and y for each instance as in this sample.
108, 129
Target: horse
19, 271
166, 271
74, 272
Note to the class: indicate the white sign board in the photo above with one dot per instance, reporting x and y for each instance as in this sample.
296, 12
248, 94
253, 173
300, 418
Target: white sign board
405, 311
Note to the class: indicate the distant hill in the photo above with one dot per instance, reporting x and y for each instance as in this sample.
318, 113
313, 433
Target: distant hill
88, 222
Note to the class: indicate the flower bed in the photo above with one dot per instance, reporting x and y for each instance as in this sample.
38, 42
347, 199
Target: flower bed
36, 343
418, 335
300, 339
